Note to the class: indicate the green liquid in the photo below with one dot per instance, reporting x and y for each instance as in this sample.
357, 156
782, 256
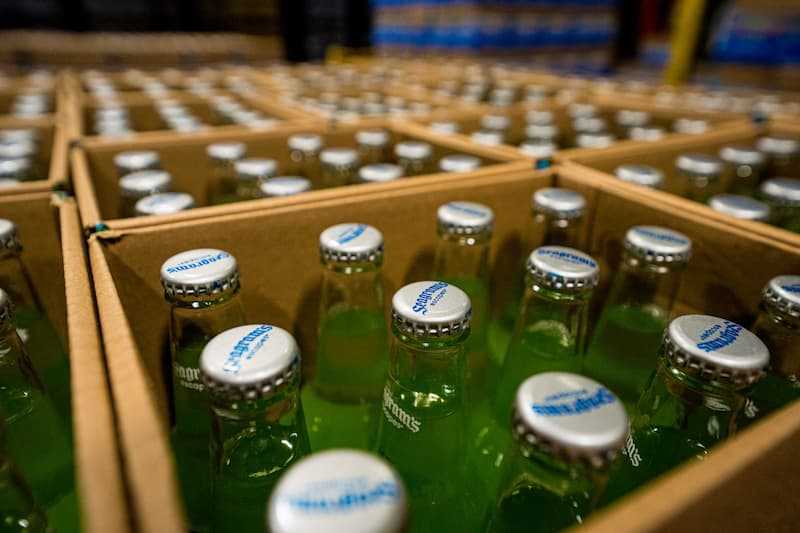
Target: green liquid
487, 452
624, 349
18, 512
767, 396
342, 404
531, 508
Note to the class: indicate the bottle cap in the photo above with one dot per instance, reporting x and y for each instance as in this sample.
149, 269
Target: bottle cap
589, 125
284, 186
741, 155
338, 490
643, 175
305, 142
250, 362
701, 164
465, 218
459, 163
538, 148
738, 206
778, 145
20, 135
782, 190
631, 118
488, 138
691, 126
655, 244
144, 183
559, 203
374, 138
783, 293
165, 203
445, 127
351, 243
255, 168
594, 140
132, 161
539, 117
571, 418
226, 151
581, 110
646, 133
14, 168
431, 309
198, 274
17, 149
339, 157
495, 122
380, 173
715, 349
562, 268
413, 150
541, 131
6, 308
7, 182
9, 240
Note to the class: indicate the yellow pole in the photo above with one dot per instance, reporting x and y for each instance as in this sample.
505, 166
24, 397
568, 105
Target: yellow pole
685, 29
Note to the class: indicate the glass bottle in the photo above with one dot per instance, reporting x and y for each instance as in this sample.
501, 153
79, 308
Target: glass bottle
445, 127
692, 400
15, 150
136, 185
690, 126
422, 431
337, 491
589, 125
700, 174
778, 326
339, 167
567, 430
222, 184
650, 133
783, 197
250, 174
542, 132
498, 123
304, 149
19, 513
487, 138
16, 169
281, 186
783, 156
540, 150
202, 287
628, 333
594, 140
165, 203
373, 146
415, 157
252, 375
539, 117
459, 163
342, 399
745, 168
643, 175
739, 206
379, 173
627, 119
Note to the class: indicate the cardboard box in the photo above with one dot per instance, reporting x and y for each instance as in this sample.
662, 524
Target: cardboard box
95, 178
277, 251
599, 166
55, 258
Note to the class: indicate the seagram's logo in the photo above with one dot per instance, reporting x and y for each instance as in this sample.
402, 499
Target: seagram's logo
574, 402
429, 297
397, 416
719, 336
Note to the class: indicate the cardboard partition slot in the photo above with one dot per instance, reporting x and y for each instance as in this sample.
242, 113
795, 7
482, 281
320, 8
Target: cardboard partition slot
278, 256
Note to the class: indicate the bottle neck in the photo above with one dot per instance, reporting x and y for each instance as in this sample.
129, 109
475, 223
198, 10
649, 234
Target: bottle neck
564, 312
645, 287
462, 257
781, 333
351, 286
15, 280
16, 370
194, 323
550, 230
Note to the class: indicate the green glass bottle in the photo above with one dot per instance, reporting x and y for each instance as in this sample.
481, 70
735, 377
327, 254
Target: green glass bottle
341, 401
567, 431
19, 513
783, 197
459, 163
415, 157
700, 175
222, 184
337, 491
557, 220
778, 326
373, 146
422, 431
202, 287
692, 401
745, 168
622, 352
304, 149
251, 172
462, 259
643, 175
252, 375
339, 167
137, 185
783, 155
42, 343
165, 203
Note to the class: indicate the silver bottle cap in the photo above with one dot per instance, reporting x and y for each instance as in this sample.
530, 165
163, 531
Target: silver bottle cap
165, 203
199, 274
465, 218
17, 149
700, 164
15, 168
715, 349
559, 203
488, 138
226, 151
742, 155
589, 125
632, 118
445, 127
20, 135
571, 418
339, 157
538, 149
372, 138
7, 182
539, 117
781, 146
783, 293
9, 240
459, 163
380, 173
655, 244
254, 168
284, 186
782, 190
132, 161
413, 150
250, 362
643, 175
305, 142
338, 490
541, 131
562, 268
594, 140
144, 183
690, 126
431, 309
351, 243
646, 133
581, 110
738, 206
495, 122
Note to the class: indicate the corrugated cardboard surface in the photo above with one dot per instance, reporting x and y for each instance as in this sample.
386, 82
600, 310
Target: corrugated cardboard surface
53, 254
277, 250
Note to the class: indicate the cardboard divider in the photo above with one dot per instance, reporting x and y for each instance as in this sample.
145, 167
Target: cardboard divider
277, 252
53, 254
